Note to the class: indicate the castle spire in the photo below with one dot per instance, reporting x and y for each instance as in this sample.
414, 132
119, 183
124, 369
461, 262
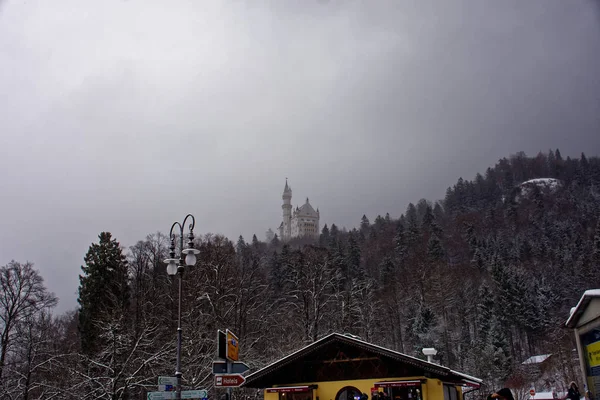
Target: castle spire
286, 188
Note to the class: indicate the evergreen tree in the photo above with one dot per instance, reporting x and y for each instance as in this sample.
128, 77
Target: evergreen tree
438, 211
241, 245
333, 236
400, 247
387, 273
428, 218
498, 347
478, 260
276, 275
421, 327
377, 227
364, 224
412, 229
275, 242
434, 248
353, 258
485, 311
557, 155
596, 256
324, 237
103, 290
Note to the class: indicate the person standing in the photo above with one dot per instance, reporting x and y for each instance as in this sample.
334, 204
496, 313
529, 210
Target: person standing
503, 394
573, 392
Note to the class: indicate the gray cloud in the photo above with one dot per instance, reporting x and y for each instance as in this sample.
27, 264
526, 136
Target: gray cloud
126, 115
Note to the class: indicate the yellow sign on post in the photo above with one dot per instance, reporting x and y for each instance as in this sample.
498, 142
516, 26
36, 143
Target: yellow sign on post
233, 346
593, 353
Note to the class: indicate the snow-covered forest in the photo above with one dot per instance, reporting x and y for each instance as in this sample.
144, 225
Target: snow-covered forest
486, 276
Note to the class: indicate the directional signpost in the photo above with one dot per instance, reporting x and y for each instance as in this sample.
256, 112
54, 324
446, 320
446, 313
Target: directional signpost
167, 380
227, 370
194, 394
229, 380
233, 347
238, 367
221, 344
185, 394
160, 395
166, 387
167, 383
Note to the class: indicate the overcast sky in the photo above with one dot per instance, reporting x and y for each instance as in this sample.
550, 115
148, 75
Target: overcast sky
124, 116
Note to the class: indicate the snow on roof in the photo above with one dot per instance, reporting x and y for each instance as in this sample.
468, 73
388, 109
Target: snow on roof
588, 295
467, 377
547, 395
536, 359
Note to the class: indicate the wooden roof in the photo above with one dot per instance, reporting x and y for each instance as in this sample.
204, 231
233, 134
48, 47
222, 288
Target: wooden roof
342, 357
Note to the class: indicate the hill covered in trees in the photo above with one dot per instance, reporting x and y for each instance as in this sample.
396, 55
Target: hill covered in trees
486, 276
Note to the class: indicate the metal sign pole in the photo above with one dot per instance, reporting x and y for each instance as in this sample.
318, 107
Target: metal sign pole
229, 367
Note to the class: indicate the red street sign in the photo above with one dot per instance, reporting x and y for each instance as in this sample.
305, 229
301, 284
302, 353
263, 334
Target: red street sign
532, 392
233, 380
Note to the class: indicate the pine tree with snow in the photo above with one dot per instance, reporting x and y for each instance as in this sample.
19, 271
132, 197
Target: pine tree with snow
400, 247
353, 261
435, 251
324, 237
275, 242
103, 290
365, 224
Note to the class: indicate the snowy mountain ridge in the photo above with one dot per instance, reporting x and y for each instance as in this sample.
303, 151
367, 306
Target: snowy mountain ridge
551, 184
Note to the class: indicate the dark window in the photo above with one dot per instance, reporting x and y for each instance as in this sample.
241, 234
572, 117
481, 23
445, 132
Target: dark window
450, 392
296, 396
348, 393
412, 392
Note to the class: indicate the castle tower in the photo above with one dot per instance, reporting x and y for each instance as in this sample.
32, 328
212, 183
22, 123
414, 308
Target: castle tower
286, 232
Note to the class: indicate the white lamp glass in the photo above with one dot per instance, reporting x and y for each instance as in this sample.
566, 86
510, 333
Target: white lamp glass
190, 259
171, 266
190, 256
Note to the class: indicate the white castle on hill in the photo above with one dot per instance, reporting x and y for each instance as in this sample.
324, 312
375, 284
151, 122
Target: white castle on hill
301, 222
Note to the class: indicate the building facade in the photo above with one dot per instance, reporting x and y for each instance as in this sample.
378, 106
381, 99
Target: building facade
584, 319
344, 367
299, 222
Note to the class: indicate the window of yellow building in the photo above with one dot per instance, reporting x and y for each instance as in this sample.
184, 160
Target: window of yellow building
348, 393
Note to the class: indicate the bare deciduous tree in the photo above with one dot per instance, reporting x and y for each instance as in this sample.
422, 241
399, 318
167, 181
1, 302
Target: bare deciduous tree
22, 295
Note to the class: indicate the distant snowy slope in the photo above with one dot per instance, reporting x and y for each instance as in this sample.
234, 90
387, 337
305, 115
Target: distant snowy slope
542, 183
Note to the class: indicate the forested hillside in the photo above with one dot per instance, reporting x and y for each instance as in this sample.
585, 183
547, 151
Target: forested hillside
486, 276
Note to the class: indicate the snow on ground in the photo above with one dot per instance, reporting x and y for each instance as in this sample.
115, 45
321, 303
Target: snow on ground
537, 359
549, 183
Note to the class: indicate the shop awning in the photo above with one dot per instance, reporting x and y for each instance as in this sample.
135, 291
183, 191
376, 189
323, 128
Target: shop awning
288, 389
397, 384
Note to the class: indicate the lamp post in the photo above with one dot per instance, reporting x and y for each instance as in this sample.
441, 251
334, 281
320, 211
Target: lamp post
176, 266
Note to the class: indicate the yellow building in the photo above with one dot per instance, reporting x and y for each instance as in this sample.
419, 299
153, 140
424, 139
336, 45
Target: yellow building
342, 367
585, 320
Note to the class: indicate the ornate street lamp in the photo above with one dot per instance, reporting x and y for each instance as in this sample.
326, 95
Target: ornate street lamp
176, 266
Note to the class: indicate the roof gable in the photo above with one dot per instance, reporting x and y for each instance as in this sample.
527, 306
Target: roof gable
578, 311
307, 210
340, 357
